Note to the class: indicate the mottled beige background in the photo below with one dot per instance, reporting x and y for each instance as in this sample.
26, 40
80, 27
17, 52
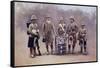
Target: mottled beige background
23, 12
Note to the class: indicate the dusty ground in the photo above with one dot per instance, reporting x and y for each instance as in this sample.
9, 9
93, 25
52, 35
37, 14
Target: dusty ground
22, 54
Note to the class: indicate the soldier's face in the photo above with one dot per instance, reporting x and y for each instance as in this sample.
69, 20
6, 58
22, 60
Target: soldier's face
48, 20
82, 27
71, 20
61, 21
34, 21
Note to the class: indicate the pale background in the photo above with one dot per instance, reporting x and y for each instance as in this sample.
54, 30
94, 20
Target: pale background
5, 33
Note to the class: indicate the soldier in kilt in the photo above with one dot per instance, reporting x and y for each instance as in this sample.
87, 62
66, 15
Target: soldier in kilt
60, 39
61, 28
82, 36
72, 30
33, 33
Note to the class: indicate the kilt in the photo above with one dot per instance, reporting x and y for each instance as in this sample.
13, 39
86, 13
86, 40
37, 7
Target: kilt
31, 42
48, 37
61, 49
60, 46
82, 42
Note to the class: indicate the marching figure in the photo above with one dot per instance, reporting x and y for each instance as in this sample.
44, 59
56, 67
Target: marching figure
72, 30
33, 33
83, 39
48, 32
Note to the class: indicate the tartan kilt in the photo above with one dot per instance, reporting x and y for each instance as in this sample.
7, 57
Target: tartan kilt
60, 46
31, 42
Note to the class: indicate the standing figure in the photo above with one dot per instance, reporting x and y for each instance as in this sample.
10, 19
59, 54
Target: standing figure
62, 28
72, 30
82, 36
48, 31
33, 33
60, 40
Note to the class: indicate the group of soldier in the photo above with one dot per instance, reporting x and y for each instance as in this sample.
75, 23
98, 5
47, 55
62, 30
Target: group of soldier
72, 33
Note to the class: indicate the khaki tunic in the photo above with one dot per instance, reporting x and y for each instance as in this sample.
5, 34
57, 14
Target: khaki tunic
72, 29
61, 29
48, 32
83, 33
33, 29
